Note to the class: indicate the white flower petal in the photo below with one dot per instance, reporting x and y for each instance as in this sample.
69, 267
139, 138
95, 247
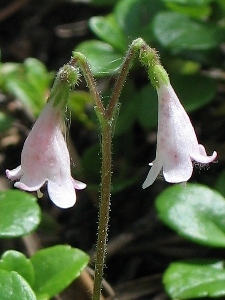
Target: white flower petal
79, 185
204, 159
62, 193
153, 173
14, 174
177, 169
30, 184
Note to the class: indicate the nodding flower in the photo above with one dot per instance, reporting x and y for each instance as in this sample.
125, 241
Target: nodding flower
177, 144
45, 159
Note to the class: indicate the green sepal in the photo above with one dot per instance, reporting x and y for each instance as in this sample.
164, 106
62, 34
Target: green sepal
66, 78
150, 59
158, 75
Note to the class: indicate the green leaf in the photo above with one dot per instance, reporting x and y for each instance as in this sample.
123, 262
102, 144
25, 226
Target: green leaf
12, 260
108, 30
38, 76
91, 163
195, 212
78, 103
56, 267
220, 183
7, 71
199, 12
148, 107
189, 2
101, 3
19, 213
134, 17
195, 279
5, 122
128, 109
179, 32
29, 82
201, 90
103, 59
14, 287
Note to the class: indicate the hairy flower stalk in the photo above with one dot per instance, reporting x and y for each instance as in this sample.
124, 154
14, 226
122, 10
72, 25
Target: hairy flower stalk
177, 144
45, 157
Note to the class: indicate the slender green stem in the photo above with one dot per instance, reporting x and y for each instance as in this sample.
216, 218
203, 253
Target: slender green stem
134, 47
106, 117
106, 140
80, 60
104, 208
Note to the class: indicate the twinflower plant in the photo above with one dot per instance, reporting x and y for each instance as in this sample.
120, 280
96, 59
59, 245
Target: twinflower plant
45, 157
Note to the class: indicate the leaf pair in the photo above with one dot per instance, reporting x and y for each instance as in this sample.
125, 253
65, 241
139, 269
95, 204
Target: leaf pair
44, 275
197, 213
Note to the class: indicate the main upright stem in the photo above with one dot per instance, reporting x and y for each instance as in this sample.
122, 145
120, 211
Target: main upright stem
104, 208
106, 118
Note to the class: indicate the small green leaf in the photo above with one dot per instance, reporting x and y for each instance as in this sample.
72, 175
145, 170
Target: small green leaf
56, 267
9, 70
101, 3
38, 76
91, 163
189, 2
79, 102
5, 122
14, 287
108, 30
128, 110
195, 279
200, 12
179, 32
103, 59
196, 212
148, 107
12, 260
201, 90
29, 82
220, 183
134, 17
19, 213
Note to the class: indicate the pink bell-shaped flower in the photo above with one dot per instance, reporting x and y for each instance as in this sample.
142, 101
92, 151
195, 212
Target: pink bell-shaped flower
45, 159
177, 144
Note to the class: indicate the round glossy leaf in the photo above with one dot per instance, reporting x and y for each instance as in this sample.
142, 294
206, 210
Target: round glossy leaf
103, 59
196, 212
101, 3
200, 12
56, 267
148, 108
30, 84
195, 279
19, 213
5, 122
14, 287
80, 103
135, 17
107, 29
220, 183
12, 260
128, 111
189, 2
201, 90
178, 31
